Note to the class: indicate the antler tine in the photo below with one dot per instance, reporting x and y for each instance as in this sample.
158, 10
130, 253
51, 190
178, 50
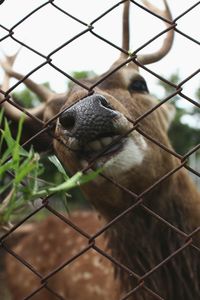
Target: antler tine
125, 37
41, 91
156, 9
125, 34
167, 44
11, 110
7, 63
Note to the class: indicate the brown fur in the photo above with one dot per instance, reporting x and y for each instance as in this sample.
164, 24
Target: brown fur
54, 243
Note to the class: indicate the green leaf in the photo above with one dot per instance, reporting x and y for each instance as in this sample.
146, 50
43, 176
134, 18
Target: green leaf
1, 115
8, 136
23, 171
16, 150
90, 176
76, 180
19, 131
5, 167
54, 160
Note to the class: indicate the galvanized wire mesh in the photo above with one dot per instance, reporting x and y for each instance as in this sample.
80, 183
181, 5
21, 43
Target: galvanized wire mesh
138, 200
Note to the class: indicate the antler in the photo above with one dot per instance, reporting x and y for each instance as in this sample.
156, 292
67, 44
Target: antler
125, 37
155, 56
167, 44
41, 91
11, 110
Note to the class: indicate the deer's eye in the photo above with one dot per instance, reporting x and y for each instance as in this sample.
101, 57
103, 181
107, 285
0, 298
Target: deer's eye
138, 85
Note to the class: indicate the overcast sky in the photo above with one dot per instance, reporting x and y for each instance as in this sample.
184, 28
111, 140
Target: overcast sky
48, 28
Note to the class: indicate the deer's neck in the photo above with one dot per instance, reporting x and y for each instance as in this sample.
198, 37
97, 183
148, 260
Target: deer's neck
141, 241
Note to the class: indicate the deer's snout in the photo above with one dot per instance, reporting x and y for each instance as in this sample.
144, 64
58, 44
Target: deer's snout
89, 119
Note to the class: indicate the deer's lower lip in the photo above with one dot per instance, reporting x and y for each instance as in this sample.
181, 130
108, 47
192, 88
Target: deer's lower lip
103, 148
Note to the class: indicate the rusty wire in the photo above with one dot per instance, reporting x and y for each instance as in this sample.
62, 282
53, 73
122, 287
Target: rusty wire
138, 200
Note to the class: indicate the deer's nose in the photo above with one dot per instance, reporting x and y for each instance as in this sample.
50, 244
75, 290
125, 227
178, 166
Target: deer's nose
89, 119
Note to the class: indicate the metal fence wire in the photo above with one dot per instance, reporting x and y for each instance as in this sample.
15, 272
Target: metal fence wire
138, 200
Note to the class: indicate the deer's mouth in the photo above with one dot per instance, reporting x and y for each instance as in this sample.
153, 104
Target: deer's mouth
116, 153
103, 148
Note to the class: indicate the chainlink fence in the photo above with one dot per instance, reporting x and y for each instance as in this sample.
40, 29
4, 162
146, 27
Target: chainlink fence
137, 199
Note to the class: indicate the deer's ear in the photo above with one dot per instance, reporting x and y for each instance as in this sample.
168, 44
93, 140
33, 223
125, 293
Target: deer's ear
168, 114
53, 107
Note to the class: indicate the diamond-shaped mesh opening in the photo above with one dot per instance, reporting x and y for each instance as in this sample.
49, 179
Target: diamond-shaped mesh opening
53, 32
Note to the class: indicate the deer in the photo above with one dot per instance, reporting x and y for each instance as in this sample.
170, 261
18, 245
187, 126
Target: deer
148, 204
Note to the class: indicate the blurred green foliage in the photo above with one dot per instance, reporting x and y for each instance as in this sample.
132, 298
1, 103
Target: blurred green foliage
24, 167
27, 98
183, 136
20, 176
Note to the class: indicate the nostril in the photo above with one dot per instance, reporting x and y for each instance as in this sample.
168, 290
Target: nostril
105, 103
67, 120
